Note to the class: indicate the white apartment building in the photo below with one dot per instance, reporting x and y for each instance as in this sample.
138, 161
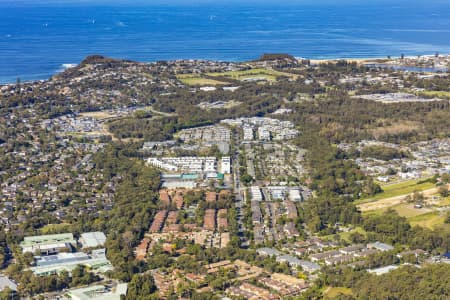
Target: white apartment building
225, 165
189, 164
255, 193
264, 133
248, 133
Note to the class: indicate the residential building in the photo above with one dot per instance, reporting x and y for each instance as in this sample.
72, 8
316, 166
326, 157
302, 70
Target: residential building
225, 165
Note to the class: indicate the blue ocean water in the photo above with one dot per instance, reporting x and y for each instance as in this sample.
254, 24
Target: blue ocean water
36, 40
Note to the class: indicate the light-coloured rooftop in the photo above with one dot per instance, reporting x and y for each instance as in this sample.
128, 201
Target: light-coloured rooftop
98, 292
92, 239
47, 239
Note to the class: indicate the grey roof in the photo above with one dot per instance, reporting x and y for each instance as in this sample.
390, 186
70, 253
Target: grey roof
268, 251
98, 292
289, 259
93, 239
309, 265
383, 270
61, 258
47, 239
6, 282
382, 246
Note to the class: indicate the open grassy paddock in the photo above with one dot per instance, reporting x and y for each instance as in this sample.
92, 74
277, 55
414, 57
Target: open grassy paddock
437, 94
444, 202
346, 235
334, 292
193, 80
52, 228
267, 74
399, 189
406, 210
429, 220
99, 115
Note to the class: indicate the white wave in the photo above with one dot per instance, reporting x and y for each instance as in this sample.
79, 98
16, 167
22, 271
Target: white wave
68, 66
64, 67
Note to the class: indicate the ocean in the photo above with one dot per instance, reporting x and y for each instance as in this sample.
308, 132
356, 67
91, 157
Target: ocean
38, 40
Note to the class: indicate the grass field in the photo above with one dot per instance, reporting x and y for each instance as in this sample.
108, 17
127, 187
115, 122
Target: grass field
333, 292
269, 75
444, 202
437, 94
406, 210
429, 220
346, 235
398, 189
99, 115
52, 228
424, 217
193, 80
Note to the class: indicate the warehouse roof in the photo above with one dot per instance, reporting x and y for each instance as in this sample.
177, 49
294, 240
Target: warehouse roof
47, 239
92, 239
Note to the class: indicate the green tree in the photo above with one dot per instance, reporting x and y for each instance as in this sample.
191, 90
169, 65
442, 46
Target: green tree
141, 287
246, 179
443, 191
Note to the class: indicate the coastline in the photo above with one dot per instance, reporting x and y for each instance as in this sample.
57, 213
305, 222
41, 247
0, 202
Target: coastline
314, 61
349, 59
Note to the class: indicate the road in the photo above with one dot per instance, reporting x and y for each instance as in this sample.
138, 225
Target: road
239, 199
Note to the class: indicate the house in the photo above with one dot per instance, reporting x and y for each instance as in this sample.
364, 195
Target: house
142, 249
309, 266
290, 260
237, 292
324, 255
331, 261
259, 292
352, 249
211, 196
416, 253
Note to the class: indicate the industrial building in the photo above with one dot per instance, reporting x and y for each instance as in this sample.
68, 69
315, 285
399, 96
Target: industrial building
48, 244
92, 239
55, 264
98, 292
